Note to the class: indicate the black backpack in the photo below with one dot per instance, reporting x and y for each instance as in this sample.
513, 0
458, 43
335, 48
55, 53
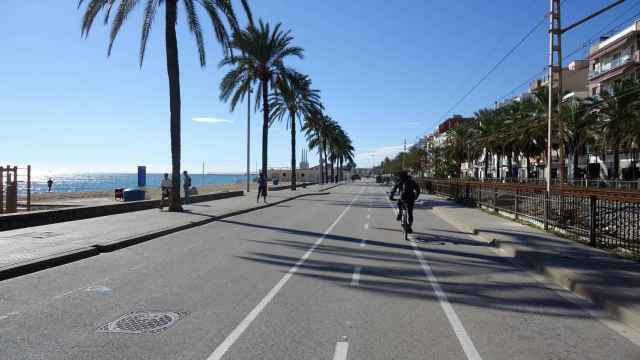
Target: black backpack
406, 189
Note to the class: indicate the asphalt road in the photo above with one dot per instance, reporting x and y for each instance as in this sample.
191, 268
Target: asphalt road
324, 277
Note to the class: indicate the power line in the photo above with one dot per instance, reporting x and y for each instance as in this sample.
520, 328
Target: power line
590, 41
495, 67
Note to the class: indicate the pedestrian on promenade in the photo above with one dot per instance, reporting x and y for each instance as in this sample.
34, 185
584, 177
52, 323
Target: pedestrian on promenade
50, 184
165, 189
262, 187
186, 185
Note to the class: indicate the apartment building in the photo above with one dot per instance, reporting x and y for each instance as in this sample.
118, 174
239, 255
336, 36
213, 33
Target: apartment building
574, 80
614, 58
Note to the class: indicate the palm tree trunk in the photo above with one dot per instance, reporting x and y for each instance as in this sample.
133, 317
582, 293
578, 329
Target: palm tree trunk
333, 179
616, 162
265, 125
173, 71
321, 164
326, 161
575, 165
293, 151
486, 164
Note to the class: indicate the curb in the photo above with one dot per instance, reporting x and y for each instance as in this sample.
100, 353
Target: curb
562, 277
464, 228
572, 281
31, 266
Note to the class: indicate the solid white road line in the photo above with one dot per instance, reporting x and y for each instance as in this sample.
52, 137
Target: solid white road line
342, 348
467, 345
368, 216
244, 324
366, 226
355, 278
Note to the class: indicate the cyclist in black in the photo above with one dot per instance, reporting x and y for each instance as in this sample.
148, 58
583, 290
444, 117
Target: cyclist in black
409, 192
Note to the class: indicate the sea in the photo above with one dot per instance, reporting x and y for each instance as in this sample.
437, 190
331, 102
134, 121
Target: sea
110, 181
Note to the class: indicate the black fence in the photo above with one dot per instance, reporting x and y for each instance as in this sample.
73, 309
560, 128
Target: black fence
606, 219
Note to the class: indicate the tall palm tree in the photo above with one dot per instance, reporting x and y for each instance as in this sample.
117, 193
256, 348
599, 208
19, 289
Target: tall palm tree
615, 115
578, 120
312, 126
328, 135
214, 9
343, 150
261, 59
294, 100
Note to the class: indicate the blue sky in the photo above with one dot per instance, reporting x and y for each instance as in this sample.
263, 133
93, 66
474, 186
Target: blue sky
388, 70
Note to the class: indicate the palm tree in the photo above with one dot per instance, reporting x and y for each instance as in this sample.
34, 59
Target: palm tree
343, 150
261, 59
295, 100
328, 135
578, 124
616, 113
312, 126
213, 8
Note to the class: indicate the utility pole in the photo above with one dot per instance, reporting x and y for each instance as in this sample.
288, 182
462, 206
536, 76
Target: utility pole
404, 153
249, 139
555, 67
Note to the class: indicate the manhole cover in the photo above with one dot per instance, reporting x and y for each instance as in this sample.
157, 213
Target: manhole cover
143, 322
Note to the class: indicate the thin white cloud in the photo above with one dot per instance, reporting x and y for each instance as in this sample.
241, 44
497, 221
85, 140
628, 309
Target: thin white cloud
211, 120
365, 157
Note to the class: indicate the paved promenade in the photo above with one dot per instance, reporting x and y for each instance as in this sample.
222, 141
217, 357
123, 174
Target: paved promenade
28, 245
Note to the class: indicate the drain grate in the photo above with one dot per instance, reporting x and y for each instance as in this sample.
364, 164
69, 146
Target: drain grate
143, 322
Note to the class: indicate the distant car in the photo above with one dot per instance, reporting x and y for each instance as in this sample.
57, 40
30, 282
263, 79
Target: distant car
355, 177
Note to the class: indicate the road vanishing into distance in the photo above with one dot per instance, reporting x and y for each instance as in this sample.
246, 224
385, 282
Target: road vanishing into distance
320, 277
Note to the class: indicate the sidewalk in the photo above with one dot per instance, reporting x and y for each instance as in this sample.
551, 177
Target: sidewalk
31, 249
610, 282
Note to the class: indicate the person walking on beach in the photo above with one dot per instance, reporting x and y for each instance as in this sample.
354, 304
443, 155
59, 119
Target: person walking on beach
262, 187
165, 189
186, 185
50, 184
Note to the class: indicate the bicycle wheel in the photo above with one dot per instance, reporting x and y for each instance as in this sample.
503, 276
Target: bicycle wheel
405, 225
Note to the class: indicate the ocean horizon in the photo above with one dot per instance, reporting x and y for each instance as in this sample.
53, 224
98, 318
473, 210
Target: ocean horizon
84, 182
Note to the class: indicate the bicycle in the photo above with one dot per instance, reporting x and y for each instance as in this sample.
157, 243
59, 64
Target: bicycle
405, 221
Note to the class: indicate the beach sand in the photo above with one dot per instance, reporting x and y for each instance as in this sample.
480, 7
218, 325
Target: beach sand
94, 197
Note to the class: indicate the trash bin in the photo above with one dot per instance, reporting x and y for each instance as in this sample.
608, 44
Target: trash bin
133, 195
275, 181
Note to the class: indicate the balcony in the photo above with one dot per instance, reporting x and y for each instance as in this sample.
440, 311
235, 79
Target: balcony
612, 65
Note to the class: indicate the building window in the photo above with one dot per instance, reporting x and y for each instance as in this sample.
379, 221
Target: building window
284, 174
594, 91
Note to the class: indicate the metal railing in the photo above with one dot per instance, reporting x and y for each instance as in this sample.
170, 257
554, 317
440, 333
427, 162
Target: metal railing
612, 65
603, 218
627, 185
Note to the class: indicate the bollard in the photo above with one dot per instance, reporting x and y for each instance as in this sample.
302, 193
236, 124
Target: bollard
495, 198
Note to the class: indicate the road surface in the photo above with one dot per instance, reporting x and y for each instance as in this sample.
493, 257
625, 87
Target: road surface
323, 277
